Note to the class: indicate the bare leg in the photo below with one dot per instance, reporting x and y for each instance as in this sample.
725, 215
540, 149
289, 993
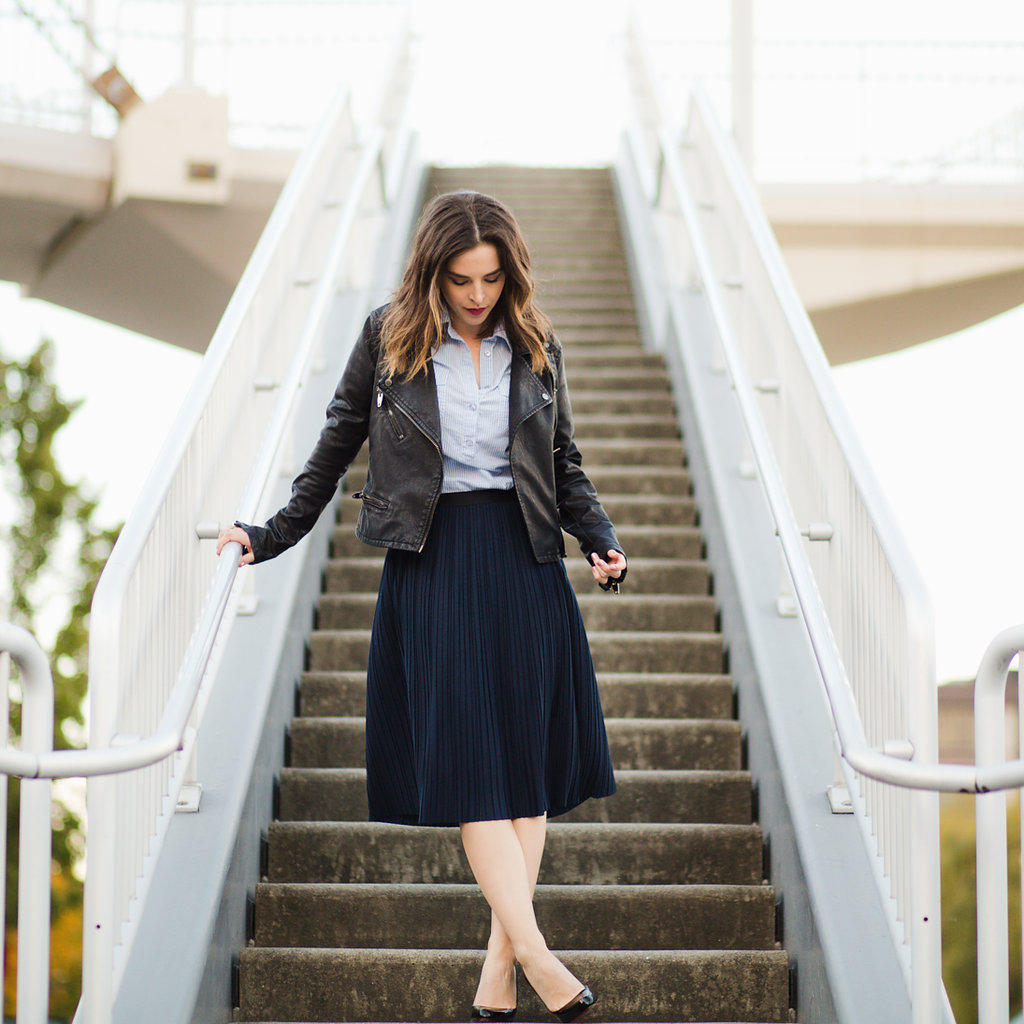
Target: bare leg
497, 988
499, 865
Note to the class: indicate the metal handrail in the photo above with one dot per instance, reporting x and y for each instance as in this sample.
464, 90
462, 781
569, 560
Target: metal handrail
130, 753
893, 761
854, 747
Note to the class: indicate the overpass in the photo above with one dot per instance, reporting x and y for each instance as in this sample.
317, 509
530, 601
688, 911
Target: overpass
123, 229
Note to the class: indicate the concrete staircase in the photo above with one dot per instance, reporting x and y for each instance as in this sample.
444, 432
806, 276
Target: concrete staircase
656, 895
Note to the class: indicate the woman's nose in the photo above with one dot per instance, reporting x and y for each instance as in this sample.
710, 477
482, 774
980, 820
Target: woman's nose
476, 292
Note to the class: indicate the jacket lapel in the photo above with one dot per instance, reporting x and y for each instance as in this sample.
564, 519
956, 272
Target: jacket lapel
417, 398
527, 393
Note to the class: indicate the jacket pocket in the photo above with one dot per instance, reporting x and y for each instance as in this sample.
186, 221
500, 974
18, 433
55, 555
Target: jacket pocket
394, 419
372, 501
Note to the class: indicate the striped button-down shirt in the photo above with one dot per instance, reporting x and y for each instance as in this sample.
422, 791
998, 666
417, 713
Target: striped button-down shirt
474, 419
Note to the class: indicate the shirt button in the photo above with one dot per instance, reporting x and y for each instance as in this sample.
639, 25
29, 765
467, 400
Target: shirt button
545, 396
472, 408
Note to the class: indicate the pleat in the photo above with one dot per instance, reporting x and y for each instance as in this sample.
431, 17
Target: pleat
481, 697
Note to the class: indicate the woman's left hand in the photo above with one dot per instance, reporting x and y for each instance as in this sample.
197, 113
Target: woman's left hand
613, 567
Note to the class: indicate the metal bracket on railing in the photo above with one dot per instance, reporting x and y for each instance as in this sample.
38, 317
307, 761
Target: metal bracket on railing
207, 530
768, 386
839, 800
818, 531
903, 749
265, 384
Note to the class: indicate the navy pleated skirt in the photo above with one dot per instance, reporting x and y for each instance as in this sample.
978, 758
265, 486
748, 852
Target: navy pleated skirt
481, 697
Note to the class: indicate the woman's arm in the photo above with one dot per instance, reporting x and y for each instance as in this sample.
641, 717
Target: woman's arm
579, 509
340, 440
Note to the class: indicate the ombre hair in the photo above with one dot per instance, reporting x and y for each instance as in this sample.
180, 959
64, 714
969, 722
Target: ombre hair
452, 224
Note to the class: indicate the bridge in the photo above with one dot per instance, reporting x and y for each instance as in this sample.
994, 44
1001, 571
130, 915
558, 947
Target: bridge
768, 682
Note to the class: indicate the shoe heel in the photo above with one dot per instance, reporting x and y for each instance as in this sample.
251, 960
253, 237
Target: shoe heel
579, 1006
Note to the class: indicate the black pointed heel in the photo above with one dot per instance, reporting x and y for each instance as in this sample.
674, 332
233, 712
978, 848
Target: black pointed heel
485, 1013
579, 1006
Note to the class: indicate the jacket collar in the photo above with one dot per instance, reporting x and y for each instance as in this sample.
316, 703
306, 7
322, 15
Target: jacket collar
417, 396
527, 393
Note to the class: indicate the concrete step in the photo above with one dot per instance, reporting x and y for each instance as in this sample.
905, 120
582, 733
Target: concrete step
562, 292
570, 316
598, 335
650, 510
633, 480
632, 612
660, 541
597, 378
640, 744
629, 357
347, 650
596, 426
437, 985
558, 296
646, 575
632, 403
570, 916
678, 796
623, 695
575, 853
616, 451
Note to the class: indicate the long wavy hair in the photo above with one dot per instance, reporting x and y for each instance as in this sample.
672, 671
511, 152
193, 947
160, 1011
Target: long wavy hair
454, 223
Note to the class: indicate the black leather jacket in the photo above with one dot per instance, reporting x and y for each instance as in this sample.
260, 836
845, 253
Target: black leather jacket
403, 481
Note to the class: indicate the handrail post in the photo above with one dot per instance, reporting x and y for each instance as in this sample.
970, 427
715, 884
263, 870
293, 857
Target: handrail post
34, 841
990, 827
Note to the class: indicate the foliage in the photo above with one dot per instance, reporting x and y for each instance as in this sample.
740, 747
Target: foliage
65, 955
959, 907
56, 551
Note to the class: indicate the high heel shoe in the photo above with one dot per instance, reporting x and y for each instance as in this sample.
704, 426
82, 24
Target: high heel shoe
485, 1013
579, 1006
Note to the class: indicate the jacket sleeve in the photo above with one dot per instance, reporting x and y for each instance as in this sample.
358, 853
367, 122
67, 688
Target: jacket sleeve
579, 510
342, 436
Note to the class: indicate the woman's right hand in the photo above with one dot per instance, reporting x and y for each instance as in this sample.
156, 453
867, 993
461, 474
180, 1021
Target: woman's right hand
236, 533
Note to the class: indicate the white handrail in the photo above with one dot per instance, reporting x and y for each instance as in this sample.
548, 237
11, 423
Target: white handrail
170, 733
854, 747
34, 825
316, 242
743, 255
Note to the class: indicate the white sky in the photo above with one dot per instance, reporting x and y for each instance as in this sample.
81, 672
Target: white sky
940, 422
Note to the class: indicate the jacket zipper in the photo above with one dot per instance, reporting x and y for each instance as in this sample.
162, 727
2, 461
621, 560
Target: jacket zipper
401, 437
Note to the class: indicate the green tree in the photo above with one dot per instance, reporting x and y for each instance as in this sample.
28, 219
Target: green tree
55, 550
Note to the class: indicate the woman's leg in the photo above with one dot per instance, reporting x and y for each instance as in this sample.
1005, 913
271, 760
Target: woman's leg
497, 988
500, 867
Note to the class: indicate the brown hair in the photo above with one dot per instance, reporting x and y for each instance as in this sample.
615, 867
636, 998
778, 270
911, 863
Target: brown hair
454, 223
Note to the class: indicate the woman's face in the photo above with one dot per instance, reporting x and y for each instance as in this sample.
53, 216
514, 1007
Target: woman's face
471, 284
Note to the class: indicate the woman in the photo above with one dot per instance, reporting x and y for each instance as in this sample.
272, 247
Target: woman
482, 708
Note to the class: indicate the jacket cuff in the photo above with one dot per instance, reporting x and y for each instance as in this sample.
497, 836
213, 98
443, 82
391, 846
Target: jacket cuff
255, 534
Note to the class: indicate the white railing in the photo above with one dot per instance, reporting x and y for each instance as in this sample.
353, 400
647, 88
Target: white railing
156, 632
851, 578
